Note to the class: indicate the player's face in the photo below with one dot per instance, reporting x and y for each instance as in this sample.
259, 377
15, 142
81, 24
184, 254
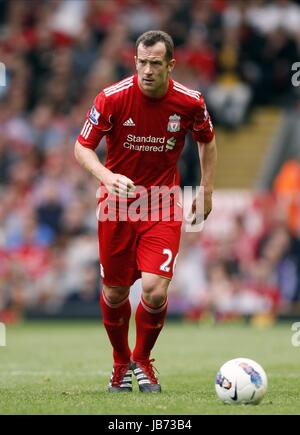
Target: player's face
153, 69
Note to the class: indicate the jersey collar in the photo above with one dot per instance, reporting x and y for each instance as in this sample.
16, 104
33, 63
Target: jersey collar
150, 99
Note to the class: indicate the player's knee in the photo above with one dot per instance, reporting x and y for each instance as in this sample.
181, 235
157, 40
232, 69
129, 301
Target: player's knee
154, 289
155, 298
115, 295
155, 294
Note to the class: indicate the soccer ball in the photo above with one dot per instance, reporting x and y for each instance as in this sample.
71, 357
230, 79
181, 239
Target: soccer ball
241, 380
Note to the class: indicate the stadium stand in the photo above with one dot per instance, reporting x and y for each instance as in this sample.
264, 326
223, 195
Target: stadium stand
58, 54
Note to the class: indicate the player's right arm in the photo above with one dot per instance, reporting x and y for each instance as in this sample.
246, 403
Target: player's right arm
97, 124
114, 183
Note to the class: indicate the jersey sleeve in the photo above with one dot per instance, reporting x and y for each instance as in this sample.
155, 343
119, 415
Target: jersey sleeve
98, 122
202, 128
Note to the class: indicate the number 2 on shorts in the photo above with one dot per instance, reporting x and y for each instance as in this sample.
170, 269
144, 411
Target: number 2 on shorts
165, 265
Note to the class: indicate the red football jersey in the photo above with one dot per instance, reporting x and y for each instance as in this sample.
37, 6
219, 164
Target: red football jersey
145, 136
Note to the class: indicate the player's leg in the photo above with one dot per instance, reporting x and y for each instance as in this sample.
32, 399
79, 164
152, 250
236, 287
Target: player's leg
156, 256
116, 313
118, 269
150, 316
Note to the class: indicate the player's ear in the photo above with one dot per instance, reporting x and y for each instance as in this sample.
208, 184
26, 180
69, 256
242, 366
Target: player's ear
135, 61
171, 65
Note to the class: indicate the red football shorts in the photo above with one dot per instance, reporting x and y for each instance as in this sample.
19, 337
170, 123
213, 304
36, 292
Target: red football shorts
128, 248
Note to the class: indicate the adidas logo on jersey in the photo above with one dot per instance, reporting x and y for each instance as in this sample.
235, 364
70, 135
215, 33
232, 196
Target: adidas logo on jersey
129, 123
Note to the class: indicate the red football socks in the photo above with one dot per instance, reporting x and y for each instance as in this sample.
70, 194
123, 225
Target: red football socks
149, 322
116, 321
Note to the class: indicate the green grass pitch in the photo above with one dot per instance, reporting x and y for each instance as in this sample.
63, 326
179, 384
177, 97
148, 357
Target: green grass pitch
63, 368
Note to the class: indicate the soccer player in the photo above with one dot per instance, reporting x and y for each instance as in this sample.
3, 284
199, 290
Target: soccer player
145, 119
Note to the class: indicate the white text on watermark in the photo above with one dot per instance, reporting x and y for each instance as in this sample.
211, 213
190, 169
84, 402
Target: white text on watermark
2, 334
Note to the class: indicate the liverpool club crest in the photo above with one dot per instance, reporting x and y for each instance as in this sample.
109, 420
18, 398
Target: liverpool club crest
174, 123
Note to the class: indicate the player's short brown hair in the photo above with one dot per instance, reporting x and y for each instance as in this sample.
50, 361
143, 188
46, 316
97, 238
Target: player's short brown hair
150, 38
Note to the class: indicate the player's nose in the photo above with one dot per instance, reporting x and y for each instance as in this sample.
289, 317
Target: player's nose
147, 69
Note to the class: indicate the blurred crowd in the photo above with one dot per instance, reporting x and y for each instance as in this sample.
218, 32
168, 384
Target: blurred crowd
58, 54
249, 267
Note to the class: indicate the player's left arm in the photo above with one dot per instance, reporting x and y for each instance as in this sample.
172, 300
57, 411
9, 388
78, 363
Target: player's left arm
204, 135
208, 162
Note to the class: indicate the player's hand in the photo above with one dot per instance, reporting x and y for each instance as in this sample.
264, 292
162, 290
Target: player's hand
120, 185
201, 211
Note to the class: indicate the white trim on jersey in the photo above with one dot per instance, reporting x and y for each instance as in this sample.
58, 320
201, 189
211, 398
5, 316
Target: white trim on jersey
87, 128
189, 91
118, 85
118, 89
186, 93
184, 88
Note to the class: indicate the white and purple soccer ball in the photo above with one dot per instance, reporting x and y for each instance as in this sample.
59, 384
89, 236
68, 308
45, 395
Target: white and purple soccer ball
241, 380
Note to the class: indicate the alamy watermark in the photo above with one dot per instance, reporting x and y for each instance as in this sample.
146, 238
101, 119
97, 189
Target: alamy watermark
296, 336
2, 334
296, 75
158, 203
2, 74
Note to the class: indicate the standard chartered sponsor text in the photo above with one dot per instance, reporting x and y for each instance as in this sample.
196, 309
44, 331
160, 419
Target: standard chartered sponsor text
141, 143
